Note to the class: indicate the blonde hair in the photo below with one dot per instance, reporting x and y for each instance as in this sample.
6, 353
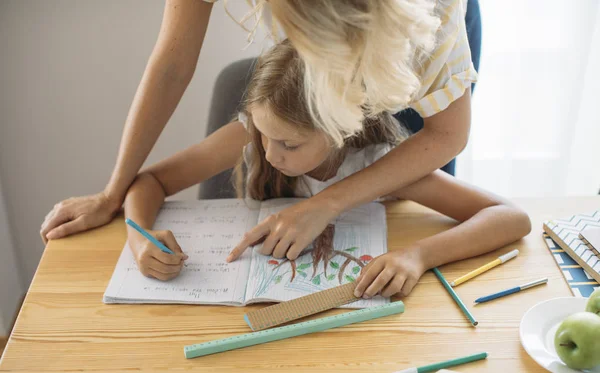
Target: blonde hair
360, 57
277, 82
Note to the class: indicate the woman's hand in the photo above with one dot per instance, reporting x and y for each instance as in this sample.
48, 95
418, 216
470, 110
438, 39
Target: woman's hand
78, 214
396, 272
288, 232
151, 261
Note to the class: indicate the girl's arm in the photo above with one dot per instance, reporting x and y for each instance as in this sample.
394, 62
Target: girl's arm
218, 152
487, 222
168, 72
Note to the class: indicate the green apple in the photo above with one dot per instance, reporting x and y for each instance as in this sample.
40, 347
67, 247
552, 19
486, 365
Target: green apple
577, 340
593, 304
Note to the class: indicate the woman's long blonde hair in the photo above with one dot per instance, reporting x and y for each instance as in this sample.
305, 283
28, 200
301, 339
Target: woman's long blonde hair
361, 57
277, 82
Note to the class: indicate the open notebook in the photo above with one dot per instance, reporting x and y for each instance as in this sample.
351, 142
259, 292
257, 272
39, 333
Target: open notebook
207, 230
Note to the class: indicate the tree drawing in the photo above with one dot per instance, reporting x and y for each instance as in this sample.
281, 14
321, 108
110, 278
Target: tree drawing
323, 252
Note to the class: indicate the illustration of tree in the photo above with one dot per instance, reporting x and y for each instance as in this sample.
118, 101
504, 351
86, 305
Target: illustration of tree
323, 252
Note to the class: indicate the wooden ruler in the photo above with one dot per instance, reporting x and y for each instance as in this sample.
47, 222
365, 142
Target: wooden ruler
301, 307
293, 330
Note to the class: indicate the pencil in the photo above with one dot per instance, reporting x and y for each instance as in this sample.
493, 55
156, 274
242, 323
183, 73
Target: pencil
506, 292
156, 242
445, 364
501, 259
455, 296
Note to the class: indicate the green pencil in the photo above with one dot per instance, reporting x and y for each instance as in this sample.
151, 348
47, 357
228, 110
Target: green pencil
445, 364
455, 296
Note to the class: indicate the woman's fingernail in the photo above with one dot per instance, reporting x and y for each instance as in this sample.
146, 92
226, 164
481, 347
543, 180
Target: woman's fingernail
357, 293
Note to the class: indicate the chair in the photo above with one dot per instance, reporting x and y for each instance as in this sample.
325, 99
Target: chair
228, 93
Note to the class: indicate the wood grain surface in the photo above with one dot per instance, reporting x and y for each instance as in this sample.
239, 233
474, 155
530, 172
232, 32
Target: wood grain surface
64, 326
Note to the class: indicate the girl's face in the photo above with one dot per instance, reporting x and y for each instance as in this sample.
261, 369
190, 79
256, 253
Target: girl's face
290, 150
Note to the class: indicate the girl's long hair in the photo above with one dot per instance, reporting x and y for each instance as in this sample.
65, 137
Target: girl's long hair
278, 82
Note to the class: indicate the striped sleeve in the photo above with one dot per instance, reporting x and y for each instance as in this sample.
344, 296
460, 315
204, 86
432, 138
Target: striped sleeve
448, 71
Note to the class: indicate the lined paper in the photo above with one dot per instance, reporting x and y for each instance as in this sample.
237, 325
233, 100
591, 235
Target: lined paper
206, 231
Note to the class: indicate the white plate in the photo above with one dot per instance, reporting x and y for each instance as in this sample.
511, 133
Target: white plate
538, 327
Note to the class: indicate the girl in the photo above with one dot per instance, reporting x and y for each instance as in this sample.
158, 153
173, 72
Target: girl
281, 153
412, 58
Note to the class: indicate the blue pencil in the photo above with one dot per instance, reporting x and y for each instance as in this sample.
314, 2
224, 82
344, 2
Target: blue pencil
506, 292
156, 242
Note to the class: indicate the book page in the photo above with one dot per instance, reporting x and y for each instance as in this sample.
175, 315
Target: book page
206, 230
334, 258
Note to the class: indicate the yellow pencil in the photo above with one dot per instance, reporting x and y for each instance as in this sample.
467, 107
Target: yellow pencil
501, 259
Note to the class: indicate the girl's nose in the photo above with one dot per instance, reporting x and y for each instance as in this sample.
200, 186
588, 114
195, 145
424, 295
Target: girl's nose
272, 155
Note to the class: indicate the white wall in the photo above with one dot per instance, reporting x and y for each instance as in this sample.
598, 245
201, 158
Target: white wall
11, 287
68, 73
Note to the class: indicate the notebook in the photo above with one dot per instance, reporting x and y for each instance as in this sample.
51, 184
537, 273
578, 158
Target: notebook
580, 283
207, 230
580, 262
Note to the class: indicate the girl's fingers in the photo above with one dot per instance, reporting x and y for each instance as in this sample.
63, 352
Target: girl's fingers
382, 280
367, 276
165, 269
408, 286
165, 258
268, 246
394, 286
169, 240
157, 275
250, 237
364, 270
297, 247
282, 247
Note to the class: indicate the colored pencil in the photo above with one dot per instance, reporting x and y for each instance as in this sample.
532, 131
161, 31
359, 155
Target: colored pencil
156, 242
455, 297
506, 292
500, 260
445, 364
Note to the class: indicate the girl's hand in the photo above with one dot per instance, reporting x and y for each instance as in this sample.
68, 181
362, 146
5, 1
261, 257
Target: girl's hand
153, 262
396, 272
78, 214
288, 232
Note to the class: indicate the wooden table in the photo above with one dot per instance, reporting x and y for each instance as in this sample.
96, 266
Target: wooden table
64, 325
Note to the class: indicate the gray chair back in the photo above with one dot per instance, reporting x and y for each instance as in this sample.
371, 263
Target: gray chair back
228, 93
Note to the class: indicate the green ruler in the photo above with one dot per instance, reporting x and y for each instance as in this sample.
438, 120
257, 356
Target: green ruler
293, 330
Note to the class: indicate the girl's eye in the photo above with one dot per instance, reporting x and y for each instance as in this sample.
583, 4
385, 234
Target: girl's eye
291, 148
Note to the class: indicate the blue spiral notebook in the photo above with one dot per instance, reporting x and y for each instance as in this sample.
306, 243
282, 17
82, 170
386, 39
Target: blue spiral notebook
578, 260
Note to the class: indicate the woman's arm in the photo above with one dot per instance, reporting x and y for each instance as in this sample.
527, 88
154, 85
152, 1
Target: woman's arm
487, 222
167, 75
442, 138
